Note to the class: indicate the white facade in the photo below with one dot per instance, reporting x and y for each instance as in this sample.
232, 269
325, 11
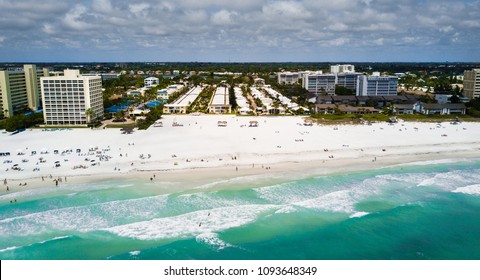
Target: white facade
342, 68
220, 103
320, 84
288, 77
377, 85
151, 81
67, 98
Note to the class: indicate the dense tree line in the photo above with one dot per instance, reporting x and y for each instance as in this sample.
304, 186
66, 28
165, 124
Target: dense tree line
21, 121
150, 118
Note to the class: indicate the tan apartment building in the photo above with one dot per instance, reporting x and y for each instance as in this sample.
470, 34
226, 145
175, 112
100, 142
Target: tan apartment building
20, 90
471, 83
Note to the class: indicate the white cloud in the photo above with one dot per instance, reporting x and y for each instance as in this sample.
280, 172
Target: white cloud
269, 25
338, 26
139, 9
73, 19
48, 28
103, 6
223, 17
446, 29
338, 42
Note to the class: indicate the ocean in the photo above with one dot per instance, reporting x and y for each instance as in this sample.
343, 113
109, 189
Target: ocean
425, 210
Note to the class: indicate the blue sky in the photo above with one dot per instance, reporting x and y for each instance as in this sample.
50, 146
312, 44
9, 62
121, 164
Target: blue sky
239, 31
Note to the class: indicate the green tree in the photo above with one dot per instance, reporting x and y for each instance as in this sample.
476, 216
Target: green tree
341, 90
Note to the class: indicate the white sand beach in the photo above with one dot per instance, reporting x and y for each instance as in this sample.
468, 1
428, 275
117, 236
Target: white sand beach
199, 149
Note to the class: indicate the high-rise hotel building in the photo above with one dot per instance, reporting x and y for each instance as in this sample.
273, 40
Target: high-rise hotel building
68, 98
20, 90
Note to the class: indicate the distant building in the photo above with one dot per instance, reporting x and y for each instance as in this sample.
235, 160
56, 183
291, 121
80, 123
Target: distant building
151, 81
471, 83
348, 80
377, 85
259, 82
320, 84
342, 68
441, 109
66, 99
20, 90
105, 76
288, 77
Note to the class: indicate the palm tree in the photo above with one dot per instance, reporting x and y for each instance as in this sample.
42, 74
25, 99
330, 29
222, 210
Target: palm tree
90, 114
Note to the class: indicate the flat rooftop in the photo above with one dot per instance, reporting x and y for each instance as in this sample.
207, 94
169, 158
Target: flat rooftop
188, 97
220, 97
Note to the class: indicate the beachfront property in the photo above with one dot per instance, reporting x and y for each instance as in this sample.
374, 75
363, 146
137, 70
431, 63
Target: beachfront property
164, 94
284, 101
441, 109
151, 81
319, 83
67, 99
220, 103
444, 98
342, 68
180, 106
471, 83
347, 109
243, 105
377, 85
20, 89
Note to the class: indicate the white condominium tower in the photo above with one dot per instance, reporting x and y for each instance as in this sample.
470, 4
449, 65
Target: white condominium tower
20, 90
377, 85
71, 99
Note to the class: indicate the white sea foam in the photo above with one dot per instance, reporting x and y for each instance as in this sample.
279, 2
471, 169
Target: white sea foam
66, 188
208, 200
212, 239
339, 201
286, 210
242, 180
433, 162
83, 218
53, 239
134, 253
288, 193
358, 214
9, 249
40, 242
472, 189
193, 223
344, 200
450, 180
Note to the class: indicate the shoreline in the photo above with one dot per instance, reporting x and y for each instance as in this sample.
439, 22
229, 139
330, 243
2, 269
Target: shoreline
200, 152
218, 177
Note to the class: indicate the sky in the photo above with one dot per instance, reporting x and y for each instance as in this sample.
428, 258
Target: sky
239, 31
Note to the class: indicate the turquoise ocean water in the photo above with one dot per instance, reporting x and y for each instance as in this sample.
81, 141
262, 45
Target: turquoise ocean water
424, 211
